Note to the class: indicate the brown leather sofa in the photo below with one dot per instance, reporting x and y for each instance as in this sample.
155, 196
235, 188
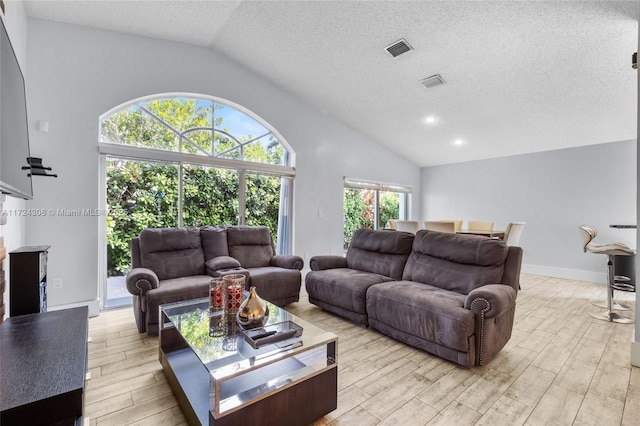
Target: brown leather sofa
450, 295
176, 264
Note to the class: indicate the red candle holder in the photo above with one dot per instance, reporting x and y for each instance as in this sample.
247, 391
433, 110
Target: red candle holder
216, 294
234, 287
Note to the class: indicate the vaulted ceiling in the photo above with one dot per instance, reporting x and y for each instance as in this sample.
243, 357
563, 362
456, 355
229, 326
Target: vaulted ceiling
520, 76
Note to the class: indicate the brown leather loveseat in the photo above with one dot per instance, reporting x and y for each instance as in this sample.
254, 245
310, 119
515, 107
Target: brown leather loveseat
176, 264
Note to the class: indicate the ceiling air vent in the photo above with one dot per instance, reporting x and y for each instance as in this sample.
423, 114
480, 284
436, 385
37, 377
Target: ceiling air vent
398, 48
434, 80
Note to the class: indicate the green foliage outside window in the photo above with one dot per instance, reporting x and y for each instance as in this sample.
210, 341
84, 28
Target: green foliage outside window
139, 195
389, 208
359, 210
263, 202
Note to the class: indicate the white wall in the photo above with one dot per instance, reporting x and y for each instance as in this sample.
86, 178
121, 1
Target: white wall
16, 24
553, 192
77, 74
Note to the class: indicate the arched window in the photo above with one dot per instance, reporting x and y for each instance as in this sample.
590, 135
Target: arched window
194, 126
177, 160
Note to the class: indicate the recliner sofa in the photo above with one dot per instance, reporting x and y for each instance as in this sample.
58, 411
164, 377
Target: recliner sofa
448, 294
176, 264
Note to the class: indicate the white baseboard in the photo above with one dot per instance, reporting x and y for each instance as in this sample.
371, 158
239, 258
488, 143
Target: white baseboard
570, 274
94, 307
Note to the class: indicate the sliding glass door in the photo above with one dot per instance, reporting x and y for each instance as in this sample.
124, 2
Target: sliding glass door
140, 194
373, 206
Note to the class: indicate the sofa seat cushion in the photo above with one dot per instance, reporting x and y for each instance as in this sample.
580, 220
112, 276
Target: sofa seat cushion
274, 284
342, 287
174, 290
424, 311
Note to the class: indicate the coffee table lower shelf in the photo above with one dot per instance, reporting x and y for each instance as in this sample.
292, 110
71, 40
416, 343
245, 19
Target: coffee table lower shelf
297, 405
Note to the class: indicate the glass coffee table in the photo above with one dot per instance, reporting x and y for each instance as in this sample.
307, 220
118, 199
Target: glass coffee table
220, 379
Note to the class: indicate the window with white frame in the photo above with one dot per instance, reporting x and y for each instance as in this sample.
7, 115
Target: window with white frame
189, 160
372, 205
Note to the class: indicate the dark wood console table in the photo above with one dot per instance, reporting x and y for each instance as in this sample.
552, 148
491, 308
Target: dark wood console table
43, 366
28, 290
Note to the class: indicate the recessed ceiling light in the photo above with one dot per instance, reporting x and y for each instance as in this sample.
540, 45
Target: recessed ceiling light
431, 119
457, 142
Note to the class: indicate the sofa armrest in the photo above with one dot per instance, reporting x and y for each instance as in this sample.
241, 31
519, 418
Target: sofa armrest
491, 300
318, 263
221, 262
141, 280
287, 261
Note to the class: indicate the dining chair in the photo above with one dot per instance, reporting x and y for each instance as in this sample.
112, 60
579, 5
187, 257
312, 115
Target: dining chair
479, 225
457, 223
448, 227
407, 226
513, 232
610, 250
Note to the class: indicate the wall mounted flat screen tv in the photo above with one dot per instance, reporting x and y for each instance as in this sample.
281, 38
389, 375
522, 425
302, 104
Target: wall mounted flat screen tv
14, 129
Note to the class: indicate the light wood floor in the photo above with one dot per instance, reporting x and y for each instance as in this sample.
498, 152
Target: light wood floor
561, 367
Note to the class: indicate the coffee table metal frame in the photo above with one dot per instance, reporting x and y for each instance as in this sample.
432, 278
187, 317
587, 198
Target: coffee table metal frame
219, 379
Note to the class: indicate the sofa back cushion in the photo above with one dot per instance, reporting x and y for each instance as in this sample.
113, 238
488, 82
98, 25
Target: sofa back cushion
455, 262
381, 252
171, 252
252, 246
214, 242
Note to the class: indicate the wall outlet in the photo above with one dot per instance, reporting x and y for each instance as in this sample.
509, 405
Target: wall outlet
57, 283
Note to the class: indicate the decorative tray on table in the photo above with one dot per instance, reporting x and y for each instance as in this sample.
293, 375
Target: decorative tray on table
273, 333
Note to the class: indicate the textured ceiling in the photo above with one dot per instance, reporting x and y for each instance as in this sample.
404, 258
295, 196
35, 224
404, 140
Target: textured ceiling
521, 76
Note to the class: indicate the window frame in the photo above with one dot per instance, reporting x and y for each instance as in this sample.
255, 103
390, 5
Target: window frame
353, 183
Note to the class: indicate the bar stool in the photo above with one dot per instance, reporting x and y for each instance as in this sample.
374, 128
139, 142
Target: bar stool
611, 250
618, 280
